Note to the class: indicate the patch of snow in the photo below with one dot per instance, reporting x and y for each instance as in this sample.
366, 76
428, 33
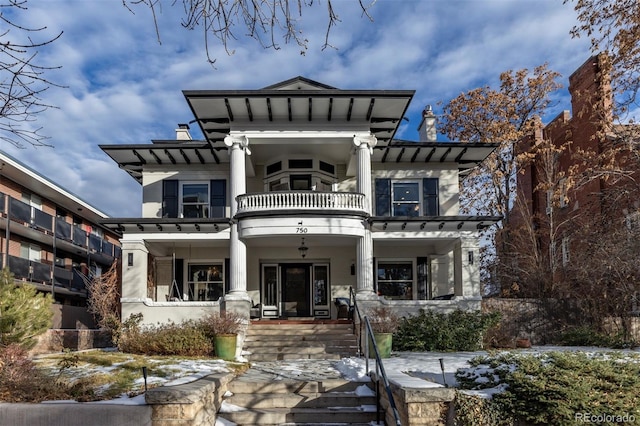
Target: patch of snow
124, 400
225, 407
224, 422
364, 390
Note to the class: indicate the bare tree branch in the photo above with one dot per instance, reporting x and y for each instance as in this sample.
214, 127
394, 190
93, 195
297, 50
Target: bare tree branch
23, 81
266, 21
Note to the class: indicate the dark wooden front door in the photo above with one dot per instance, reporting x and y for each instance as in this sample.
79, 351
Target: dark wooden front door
296, 289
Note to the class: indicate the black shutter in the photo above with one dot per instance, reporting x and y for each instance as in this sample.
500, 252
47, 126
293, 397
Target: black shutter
218, 189
383, 197
430, 197
178, 274
169, 198
422, 276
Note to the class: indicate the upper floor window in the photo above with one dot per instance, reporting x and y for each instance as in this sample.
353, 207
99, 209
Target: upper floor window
300, 174
407, 197
193, 199
31, 252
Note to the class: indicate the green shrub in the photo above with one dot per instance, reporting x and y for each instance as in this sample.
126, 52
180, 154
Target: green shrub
555, 387
472, 410
184, 339
24, 313
434, 331
587, 336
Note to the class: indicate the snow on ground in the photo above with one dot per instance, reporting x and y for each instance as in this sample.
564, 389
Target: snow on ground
408, 369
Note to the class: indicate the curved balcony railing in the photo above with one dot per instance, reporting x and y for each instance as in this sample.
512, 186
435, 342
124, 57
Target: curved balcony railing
301, 200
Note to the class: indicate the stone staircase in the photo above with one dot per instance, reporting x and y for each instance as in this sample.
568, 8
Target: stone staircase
291, 402
275, 340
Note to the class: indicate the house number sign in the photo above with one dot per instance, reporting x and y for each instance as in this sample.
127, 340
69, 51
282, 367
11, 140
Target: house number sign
301, 229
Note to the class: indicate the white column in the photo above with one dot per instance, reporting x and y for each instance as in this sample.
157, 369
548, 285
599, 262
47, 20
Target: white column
364, 256
238, 145
364, 148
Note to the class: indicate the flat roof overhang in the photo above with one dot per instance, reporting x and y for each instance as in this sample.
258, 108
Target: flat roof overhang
167, 225
432, 223
218, 112
133, 158
466, 155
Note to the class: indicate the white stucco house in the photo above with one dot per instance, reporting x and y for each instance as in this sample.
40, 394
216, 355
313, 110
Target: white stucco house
298, 193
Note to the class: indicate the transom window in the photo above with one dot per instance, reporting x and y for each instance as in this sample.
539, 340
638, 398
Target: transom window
195, 199
395, 279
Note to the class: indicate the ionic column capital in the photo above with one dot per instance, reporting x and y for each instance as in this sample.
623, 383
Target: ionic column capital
238, 141
365, 141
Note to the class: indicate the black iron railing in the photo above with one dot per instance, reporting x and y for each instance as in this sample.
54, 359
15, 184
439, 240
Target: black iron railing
380, 371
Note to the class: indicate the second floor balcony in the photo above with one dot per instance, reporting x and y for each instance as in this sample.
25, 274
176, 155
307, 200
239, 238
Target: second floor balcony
297, 201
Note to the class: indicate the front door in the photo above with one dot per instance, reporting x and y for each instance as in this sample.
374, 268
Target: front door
296, 289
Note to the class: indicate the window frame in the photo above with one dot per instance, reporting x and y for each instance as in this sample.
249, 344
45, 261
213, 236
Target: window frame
385, 191
201, 290
412, 283
206, 205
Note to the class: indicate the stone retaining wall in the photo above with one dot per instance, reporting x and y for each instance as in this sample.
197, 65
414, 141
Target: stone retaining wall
417, 406
189, 404
56, 340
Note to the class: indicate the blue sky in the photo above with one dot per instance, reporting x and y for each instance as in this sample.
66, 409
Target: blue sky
124, 87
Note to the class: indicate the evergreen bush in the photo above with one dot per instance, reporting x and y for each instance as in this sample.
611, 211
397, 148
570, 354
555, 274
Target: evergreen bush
24, 313
560, 388
435, 331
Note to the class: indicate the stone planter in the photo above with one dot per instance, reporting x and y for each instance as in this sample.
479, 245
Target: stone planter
383, 341
225, 345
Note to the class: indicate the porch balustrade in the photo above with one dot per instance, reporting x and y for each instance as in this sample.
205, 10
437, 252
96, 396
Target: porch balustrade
303, 200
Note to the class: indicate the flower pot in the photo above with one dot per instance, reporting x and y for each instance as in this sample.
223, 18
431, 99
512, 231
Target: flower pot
226, 346
383, 342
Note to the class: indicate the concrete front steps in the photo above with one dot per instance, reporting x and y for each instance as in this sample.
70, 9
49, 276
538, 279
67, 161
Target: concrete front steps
276, 340
298, 403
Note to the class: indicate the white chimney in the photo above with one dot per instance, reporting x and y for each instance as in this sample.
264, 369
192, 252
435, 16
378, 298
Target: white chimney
182, 132
427, 128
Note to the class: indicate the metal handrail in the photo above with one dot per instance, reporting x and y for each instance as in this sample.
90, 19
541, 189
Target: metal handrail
382, 372
354, 303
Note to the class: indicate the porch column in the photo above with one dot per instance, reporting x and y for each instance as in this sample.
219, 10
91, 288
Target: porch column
364, 257
467, 267
237, 250
364, 148
134, 269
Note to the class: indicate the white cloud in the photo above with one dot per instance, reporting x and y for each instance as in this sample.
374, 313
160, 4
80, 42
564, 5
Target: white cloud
123, 86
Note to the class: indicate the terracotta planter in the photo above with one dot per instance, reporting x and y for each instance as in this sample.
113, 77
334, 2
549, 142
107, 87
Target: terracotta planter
226, 346
383, 342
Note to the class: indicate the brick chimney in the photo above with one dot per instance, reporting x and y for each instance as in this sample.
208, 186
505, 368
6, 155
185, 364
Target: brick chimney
427, 127
590, 89
182, 133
